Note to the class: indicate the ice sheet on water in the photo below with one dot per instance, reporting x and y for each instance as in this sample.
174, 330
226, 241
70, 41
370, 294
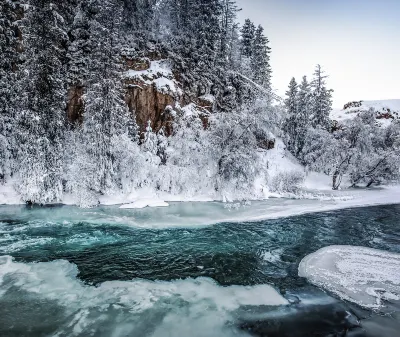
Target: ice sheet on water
365, 276
191, 214
143, 203
182, 304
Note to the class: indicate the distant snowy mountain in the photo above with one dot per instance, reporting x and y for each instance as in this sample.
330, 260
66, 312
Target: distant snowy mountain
386, 110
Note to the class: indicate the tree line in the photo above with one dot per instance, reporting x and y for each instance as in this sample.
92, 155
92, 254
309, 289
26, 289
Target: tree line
47, 47
361, 149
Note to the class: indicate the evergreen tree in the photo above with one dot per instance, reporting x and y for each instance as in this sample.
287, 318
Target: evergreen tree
321, 100
234, 53
41, 119
291, 122
138, 21
260, 58
228, 27
82, 45
150, 141
303, 113
106, 116
247, 32
208, 32
198, 44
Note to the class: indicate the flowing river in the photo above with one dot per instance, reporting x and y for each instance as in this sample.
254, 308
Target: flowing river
177, 272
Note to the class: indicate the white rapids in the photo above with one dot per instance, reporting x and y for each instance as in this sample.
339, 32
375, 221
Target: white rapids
195, 307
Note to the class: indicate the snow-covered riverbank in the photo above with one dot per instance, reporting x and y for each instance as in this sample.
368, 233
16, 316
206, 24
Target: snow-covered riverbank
206, 212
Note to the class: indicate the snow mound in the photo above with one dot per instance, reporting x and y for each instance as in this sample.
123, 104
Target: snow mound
143, 203
365, 276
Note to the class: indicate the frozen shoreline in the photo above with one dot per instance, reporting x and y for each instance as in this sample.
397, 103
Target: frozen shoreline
188, 213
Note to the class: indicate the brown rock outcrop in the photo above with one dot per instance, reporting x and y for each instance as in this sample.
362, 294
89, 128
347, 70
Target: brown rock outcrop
138, 64
147, 103
149, 96
75, 105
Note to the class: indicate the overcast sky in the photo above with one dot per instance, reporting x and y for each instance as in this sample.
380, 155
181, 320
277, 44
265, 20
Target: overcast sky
357, 42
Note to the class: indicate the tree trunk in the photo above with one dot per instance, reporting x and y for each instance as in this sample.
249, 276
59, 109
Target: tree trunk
370, 184
336, 180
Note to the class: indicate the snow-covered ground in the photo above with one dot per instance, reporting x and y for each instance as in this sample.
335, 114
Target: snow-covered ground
361, 275
391, 106
199, 214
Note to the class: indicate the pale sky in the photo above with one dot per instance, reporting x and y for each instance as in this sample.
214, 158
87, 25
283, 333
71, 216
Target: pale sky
357, 42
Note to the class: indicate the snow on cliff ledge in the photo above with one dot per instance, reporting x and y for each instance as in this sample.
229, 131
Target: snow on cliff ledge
158, 74
386, 110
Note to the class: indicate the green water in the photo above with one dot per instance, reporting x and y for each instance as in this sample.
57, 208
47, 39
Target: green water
103, 276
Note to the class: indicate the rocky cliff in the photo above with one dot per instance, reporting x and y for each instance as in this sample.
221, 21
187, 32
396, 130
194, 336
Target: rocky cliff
152, 94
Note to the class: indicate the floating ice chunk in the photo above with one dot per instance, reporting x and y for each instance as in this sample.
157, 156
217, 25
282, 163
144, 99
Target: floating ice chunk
142, 203
361, 275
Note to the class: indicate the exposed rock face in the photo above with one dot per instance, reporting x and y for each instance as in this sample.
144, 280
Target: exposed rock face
153, 93
266, 144
75, 105
147, 103
138, 64
355, 104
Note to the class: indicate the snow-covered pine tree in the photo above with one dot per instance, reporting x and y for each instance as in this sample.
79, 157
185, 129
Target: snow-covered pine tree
291, 122
303, 113
8, 64
208, 32
150, 141
234, 54
106, 116
179, 15
194, 43
228, 28
162, 146
321, 100
248, 33
138, 21
260, 59
40, 120
81, 46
